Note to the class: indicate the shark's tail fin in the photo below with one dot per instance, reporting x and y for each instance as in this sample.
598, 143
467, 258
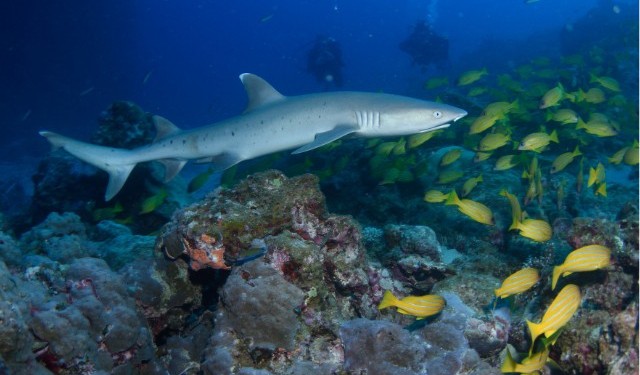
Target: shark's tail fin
117, 162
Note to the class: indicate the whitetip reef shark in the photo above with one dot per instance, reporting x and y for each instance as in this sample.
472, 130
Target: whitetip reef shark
271, 122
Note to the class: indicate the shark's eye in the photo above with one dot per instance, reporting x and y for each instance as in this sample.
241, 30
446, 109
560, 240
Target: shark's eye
437, 114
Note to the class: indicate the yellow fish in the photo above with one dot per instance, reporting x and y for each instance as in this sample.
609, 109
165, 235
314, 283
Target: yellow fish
535, 229
399, 148
587, 258
470, 184
552, 97
107, 213
518, 282
516, 211
450, 157
593, 96
558, 314
449, 176
564, 159
471, 76
597, 175
506, 162
606, 82
563, 116
493, 141
530, 365
477, 91
501, 109
618, 156
435, 196
153, 202
416, 140
602, 189
631, 156
580, 176
482, 123
198, 181
436, 82
418, 306
598, 128
391, 175
481, 156
385, 148
475, 210
537, 141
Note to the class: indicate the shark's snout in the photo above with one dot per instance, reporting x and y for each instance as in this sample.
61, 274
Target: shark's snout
460, 115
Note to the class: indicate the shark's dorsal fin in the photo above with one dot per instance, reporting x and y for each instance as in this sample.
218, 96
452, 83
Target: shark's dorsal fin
164, 128
259, 91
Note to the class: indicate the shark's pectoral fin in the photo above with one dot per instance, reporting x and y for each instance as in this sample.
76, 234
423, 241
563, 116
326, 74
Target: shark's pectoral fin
171, 168
224, 161
327, 137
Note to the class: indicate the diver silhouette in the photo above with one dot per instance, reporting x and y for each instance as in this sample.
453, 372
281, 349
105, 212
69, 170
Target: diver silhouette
324, 61
425, 46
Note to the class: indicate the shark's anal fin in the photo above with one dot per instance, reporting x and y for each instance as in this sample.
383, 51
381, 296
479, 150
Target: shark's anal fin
327, 137
259, 91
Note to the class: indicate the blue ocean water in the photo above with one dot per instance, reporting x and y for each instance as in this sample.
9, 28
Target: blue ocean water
64, 63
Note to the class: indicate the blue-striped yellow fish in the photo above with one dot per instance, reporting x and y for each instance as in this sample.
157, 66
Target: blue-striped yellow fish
516, 211
564, 159
535, 229
470, 184
587, 258
475, 210
450, 157
558, 314
418, 306
518, 282
532, 364
435, 196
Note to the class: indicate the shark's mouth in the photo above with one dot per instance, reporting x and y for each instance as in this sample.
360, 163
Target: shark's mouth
435, 128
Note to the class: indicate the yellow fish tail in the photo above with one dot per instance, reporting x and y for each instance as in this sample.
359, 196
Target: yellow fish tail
388, 300
592, 177
602, 189
576, 152
509, 364
557, 272
554, 136
452, 199
536, 329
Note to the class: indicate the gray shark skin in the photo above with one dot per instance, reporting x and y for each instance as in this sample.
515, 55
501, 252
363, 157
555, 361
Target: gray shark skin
271, 123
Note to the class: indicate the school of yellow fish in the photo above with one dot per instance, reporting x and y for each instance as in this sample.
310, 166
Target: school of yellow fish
574, 126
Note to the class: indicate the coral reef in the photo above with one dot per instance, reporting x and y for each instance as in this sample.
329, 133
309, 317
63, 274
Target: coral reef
262, 279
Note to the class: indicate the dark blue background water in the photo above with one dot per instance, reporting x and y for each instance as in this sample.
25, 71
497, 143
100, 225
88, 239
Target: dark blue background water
65, 62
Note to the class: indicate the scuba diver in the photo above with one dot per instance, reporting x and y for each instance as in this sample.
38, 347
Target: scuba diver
324, 61
425, 46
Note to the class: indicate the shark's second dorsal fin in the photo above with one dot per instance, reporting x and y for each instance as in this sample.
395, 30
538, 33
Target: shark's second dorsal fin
164, 128
259, 91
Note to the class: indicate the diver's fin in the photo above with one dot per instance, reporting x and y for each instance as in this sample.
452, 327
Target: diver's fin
327, 137
171, 168
164, 128
259, 91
